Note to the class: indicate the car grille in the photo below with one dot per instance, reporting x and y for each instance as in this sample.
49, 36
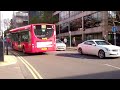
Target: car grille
61, 46
115, 50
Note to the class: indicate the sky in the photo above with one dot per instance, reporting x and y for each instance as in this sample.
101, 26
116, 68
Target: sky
5, 15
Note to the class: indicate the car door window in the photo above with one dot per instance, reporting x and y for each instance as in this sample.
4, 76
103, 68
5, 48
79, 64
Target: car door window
86, 43
90, 42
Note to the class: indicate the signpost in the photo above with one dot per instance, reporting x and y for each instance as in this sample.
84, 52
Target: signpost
114, 29
70, 37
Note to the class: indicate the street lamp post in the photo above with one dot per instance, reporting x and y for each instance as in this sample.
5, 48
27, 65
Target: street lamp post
70, 37
1, 43
83, 34
69, 29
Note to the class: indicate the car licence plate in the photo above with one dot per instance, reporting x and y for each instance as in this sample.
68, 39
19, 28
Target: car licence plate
43, 48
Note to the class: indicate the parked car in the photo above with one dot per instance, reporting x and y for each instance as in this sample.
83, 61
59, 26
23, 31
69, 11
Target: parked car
60, 45
100, 48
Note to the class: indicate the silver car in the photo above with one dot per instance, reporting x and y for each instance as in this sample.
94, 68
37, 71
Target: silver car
60, 45
100, 48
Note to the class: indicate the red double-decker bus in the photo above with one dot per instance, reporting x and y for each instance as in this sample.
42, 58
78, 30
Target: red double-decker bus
34, 38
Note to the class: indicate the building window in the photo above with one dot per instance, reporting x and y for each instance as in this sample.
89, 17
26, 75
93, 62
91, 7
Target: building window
114, 16
64, 27
92, 20
93, 36
76, 24
73, 13
64, 15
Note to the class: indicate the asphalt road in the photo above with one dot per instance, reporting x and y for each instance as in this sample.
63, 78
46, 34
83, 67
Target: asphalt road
69, 65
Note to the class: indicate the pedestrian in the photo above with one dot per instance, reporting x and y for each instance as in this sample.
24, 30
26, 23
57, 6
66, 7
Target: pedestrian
62, 39
74, 41
65, 40
104, 38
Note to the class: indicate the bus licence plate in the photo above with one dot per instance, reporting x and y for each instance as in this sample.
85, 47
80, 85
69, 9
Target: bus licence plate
43, 48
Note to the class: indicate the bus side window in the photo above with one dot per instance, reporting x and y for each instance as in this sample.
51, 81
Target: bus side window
22, 38
26, 36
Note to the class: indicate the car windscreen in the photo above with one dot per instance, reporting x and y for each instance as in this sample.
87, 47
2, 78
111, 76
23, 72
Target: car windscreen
43, 32
102, 43
58, 41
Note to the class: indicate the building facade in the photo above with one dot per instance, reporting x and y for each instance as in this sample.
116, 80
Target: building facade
85, 25
33, 13
20, 19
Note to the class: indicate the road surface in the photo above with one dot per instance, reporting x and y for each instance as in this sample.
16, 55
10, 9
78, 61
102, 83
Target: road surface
67, 65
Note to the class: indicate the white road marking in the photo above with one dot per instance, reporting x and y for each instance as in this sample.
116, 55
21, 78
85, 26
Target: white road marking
33, 68
30, 67
112, 66
27, 67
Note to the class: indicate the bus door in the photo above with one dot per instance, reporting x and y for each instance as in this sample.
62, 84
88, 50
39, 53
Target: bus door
19, 42
25, 41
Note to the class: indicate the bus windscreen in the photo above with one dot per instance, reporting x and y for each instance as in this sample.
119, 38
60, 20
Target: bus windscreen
45, 31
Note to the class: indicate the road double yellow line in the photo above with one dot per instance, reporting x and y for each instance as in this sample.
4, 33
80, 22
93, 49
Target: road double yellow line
32, 70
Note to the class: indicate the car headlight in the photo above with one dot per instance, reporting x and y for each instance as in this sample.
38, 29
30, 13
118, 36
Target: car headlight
107, 49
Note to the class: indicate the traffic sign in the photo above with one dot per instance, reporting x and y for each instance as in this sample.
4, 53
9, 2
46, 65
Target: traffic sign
114, 28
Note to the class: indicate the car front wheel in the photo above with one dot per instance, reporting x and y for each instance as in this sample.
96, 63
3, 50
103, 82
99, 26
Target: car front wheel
101, 54
80, 50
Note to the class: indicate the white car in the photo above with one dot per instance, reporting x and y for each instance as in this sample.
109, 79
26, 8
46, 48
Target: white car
60, 45
100, 48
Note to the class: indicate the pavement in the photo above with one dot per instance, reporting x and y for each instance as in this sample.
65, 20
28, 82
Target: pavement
71, 48
10, 69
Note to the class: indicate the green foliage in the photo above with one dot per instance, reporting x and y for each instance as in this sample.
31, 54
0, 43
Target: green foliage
45, 17
116, 20
35, 19
6, 31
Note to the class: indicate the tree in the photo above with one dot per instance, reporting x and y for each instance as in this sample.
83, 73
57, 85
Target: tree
114, 20
9, 28
44, 17
34, 19
48, 17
